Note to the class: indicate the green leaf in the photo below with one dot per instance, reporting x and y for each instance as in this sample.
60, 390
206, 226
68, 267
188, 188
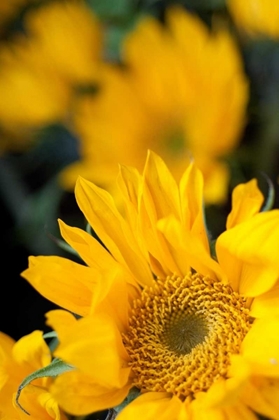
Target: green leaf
56, 367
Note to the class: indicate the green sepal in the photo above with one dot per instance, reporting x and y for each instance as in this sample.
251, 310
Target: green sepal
55, 368
133, 394
269, 202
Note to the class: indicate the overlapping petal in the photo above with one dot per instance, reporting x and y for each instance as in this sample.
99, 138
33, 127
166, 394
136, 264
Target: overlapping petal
153, 405
64, 282
100, 211
78, 394
93, 345
248, 254
260, 347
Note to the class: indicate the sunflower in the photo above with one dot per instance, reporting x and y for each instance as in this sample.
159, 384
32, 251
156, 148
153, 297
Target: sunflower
164, 324
258, 18
180, 90
18, 360
70, 35
39, 71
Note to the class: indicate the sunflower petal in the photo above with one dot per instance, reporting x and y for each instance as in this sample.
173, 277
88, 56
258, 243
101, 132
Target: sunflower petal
260, 347
267, 304
261, 394
247, 200
153, 405
248, 254
100, 211
99, 354
62, 281
77, 394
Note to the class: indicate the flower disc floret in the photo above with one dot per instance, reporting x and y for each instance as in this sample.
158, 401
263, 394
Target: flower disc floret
182, 332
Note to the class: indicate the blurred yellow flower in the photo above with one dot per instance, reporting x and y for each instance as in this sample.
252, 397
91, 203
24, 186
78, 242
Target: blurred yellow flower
31, 93
182, 91
39, 71
18, 360
256, 17
196, 335
70, 36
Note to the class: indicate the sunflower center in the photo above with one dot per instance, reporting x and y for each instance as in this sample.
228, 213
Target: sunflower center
182, 332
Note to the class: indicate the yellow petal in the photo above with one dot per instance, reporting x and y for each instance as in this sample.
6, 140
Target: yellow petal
93, 345
77, 394
62, 281
237, 410
226, 392
162, 188
6, 344
39, 404
113, 294
192, 207
262, 395
62, 321
248, 254
267, 304
154, 205
188, 250
153, 405
88, 248
100, 211
247, 200
32, 350
260, 347
129, 183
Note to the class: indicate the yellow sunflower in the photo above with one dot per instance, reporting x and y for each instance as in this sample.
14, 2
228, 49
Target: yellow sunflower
182, 90
194, 335
32, 94
256, 17
18, 360
39, 71
70, 35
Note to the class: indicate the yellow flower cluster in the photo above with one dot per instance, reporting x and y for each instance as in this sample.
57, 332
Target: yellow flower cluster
180, 90
40, 69
157, 319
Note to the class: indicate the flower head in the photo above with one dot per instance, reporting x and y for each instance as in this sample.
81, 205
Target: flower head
195, 334
258, 18
181, 91
60, 48
18, 360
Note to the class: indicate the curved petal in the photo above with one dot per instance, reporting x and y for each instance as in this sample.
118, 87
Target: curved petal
188, 250
113, 295
6, 344
237, 410
266, 304
260, 347
248, 254
62, 281
192, 207
32, 351
88, 248
162, 188
39, 404
247, 200
100, 211
153, 405
159, 199
262, 395
77, 394
93, 344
